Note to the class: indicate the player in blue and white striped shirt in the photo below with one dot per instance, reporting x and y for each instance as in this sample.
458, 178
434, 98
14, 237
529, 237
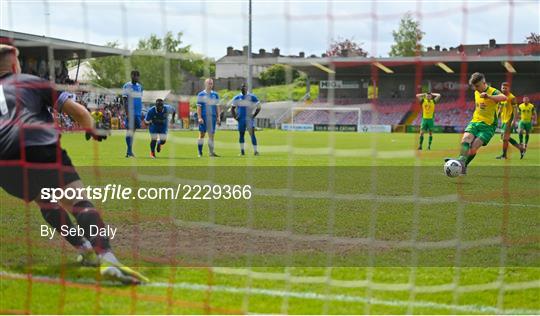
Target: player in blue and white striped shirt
245, 107
132, 97
208, 115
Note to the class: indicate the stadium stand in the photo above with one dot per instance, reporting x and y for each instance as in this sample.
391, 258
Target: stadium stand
450, 113
383, 112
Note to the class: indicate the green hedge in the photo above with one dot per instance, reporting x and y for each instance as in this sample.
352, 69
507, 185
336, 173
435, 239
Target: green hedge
270, 94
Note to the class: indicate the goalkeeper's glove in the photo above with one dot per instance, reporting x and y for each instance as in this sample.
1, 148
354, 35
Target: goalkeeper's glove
97, 134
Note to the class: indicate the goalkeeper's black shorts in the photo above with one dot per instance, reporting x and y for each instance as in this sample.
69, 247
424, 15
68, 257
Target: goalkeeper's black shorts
41, 168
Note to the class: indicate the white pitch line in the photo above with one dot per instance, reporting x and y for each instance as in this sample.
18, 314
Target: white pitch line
390, 287
357, 197
504, 204
295, 294
310, 151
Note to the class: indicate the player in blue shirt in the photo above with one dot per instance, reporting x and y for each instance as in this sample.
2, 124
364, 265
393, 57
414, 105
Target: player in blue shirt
132, 97
208, 115
157, 118
245, 107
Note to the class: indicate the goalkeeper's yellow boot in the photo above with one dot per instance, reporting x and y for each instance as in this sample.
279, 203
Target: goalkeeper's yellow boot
119, 272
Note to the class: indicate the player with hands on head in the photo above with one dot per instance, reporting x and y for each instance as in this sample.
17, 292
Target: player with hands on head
428, 111
507, 113
527, 116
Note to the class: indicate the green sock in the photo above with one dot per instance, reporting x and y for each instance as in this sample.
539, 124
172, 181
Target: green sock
464, 151
469, 159
430, 140
521, 138
421, 140
513, 141
526, 139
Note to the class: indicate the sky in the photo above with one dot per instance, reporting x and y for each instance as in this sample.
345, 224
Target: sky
293, 26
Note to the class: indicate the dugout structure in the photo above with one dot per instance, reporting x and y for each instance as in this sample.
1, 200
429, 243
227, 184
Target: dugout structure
45, 56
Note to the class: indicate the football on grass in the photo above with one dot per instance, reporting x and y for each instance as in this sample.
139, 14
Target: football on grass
452, 168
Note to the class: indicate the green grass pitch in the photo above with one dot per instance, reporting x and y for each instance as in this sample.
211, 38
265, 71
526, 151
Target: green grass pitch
344, 190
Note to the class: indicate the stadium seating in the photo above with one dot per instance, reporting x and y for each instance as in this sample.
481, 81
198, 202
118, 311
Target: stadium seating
326, 117
384, 112
388, 112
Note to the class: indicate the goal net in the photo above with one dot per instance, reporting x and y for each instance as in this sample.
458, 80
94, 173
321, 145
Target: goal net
292, 214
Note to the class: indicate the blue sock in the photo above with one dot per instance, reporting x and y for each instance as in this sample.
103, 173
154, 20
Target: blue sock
129, 142
253, 139
241, 140
200, 143
153, 145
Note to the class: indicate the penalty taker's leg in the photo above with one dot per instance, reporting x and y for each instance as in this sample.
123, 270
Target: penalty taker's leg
465, 152
477, 143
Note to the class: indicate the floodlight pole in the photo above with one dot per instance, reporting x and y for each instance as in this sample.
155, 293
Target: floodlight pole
250, 68
78, 66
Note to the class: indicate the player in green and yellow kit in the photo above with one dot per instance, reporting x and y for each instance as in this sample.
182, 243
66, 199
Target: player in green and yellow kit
526, 113
507, 113
98, 117
428, 101
484, 122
